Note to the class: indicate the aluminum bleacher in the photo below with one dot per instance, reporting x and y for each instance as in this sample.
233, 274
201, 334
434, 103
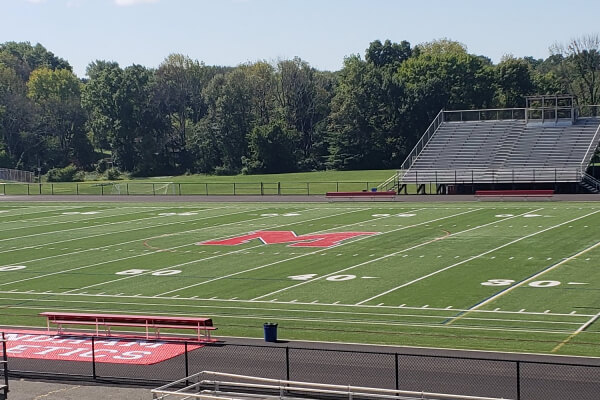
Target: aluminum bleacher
511, 147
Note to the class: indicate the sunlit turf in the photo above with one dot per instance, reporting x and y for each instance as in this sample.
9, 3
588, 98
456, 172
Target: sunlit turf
498, 276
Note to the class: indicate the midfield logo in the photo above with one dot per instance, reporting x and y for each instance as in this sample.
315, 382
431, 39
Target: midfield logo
279, 237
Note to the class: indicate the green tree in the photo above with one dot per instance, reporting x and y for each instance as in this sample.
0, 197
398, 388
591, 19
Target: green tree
302, 97
98, 99
180, 81
57, 93
579, 67
272, 149
514, 80
24, 58
16, 114
229, 118
388, 53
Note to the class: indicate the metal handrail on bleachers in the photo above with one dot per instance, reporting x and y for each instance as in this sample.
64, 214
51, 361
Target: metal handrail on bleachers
485, 175
429, 132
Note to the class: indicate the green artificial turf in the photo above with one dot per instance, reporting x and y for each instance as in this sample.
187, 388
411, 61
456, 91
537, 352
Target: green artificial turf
497, 276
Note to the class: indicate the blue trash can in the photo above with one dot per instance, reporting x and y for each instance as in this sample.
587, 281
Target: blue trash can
270, 332
373, 189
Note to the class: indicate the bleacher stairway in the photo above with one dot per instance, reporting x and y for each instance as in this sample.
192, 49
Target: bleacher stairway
504, 151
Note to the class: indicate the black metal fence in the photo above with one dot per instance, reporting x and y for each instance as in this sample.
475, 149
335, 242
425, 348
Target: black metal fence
3, 368
182, 189
509, 379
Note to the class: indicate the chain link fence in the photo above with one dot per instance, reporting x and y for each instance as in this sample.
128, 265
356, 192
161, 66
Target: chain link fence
15, 175
485, 377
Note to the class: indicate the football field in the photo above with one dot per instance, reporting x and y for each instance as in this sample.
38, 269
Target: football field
495, 276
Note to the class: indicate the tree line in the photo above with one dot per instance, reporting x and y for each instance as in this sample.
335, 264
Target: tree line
261, 117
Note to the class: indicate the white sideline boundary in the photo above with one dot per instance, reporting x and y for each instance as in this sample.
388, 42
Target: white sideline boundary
339, 321
378, 309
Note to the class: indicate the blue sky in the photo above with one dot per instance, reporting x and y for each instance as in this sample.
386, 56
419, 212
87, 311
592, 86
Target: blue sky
322, 32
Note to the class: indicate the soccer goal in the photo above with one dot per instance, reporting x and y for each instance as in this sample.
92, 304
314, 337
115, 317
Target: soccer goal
156, 189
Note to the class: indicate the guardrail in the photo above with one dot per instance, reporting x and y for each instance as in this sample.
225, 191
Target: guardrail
505, 175
488, 114
217, 385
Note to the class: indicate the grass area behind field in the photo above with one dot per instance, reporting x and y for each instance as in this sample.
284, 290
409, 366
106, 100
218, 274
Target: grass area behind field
305, 183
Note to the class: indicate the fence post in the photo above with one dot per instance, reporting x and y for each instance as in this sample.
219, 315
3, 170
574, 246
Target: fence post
279, 188
5, 359
28, 189
397, 372
93, 358
187, 363
206, 188
179, 188
153, 192
518, 380
287, 363
262, 189
77, 188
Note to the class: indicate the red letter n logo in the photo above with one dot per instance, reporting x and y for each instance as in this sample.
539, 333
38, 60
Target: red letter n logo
278, 237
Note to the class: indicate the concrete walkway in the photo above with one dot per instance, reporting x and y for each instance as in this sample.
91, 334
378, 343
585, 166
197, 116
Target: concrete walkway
21, 389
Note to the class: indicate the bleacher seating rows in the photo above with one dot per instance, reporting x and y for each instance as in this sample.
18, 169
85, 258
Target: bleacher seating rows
507, 145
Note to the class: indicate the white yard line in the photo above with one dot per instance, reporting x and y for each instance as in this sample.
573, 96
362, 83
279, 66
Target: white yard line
87, 227
134, 256
531, 278
577, 332
383, 257
187, 221
289, 258
206, 258
33, 211
476, 256
100, 215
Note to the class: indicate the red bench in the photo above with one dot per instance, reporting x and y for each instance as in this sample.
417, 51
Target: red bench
202, 326
361, 195
514, 193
